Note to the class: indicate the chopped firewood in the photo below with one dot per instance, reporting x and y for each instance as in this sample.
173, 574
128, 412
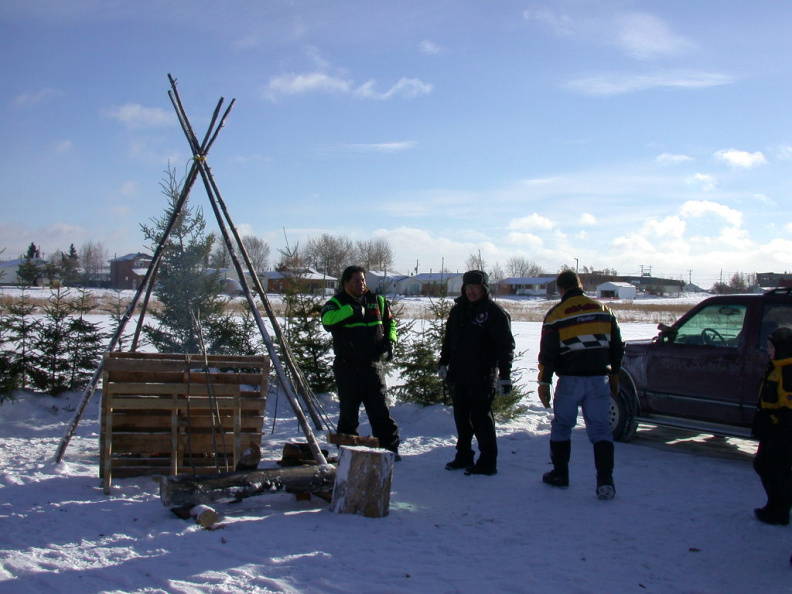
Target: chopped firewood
296, 454
352, 440
235, 486
250, 457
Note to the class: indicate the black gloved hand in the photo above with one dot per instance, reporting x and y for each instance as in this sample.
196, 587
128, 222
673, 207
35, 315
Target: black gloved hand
505, 386
389, 351
357, 310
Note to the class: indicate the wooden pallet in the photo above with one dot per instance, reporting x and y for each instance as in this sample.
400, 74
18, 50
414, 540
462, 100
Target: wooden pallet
164, 414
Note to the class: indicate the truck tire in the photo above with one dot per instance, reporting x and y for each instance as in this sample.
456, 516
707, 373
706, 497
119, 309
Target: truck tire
622, 415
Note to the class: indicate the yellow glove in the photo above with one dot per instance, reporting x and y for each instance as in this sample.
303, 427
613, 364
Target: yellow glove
613, 382
543, 391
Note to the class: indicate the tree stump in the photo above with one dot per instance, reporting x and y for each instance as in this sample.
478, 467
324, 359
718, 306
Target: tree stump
363, 482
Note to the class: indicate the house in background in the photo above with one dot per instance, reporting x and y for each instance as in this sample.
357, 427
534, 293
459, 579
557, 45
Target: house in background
437, 284
616, 290
544, 286
384, 282
9, 271
128, 271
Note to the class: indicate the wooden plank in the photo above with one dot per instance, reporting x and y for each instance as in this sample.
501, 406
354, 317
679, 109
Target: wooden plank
175, 389
198, 377
164, 361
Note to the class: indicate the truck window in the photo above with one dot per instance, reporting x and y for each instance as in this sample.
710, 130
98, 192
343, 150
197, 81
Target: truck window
774, 316
715, 325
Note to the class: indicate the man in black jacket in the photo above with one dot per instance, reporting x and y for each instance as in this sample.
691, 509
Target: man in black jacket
363, 332
475, 361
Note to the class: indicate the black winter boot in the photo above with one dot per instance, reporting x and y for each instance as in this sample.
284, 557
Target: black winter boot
559, 455
461, 461
603, 461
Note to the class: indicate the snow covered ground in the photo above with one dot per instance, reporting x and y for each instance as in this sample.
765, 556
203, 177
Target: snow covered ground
681, 521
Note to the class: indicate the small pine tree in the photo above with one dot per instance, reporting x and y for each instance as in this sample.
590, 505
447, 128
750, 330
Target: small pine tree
116, 307
20, 327
185, 291
69, 262
30, 271
417, 354
511, 406
235, 335
85, 343
310, 344
52, 366
9, 380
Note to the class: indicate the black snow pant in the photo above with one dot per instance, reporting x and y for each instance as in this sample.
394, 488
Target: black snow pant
773, 464
363, 382
472, 399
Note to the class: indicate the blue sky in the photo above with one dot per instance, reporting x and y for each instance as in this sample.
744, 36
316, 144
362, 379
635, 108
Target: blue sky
629, 135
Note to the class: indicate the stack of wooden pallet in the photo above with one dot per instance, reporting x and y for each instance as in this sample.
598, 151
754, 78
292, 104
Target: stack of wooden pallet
174, 414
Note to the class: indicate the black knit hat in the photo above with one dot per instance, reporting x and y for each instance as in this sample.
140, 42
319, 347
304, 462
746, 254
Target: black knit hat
782, 341
475, 277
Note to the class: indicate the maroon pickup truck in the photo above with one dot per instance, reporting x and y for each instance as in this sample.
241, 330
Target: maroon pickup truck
703, 372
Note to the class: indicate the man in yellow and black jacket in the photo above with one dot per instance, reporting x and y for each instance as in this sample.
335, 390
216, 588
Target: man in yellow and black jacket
364, 332
581, 344
773, 427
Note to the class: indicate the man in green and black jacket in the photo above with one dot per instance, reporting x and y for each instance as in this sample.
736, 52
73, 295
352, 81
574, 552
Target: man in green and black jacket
364, 332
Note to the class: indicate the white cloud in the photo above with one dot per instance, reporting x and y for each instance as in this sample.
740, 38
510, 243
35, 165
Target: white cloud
643, 35
634, 244
380, 147
561, 23
63, 147
669, 159
618, 84
737, 158
319, 82
429, 47
298, 84
406, 87
42, 96
639, 35
784, 152
530, 223
129, 188
668, 227
700, 208
528, 240
588, 219
707, 182
134, 115
246, 43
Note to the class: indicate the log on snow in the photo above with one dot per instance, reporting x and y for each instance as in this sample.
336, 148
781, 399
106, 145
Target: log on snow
234, 486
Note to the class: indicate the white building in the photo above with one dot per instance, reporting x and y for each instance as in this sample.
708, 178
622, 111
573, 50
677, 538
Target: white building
616, 290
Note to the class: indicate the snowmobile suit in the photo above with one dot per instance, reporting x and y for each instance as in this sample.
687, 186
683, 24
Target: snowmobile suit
363, 331
773, 427
478, 347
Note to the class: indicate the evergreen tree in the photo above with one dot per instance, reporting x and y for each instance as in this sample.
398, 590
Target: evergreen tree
185, 292
20, 329
85, 343
310, 344
116, 307
51, 345
69, 267
9, 378
30, 271
417, 354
